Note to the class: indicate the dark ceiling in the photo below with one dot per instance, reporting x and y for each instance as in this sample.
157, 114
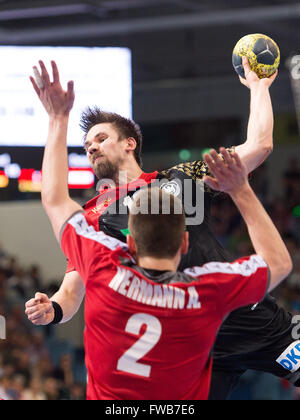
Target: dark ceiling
170, 39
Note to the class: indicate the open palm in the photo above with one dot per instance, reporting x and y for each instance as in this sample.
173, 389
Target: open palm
55, 100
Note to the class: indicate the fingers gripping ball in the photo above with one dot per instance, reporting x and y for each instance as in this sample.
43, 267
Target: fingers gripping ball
262, 52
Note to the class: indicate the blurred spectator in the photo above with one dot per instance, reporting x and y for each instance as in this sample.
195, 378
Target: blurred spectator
18, 386
37, 347
16, 282
34, 392
35, 278
45, 366
26, 369
10, 265
260, 184
291, 182
64, 376
51, 389
281, 216
77, 392
6, 392
63, 373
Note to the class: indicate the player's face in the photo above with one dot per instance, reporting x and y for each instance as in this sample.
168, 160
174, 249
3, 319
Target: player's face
104, 150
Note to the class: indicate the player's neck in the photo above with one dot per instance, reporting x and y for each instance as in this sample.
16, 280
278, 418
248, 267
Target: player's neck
128, 172
162, 264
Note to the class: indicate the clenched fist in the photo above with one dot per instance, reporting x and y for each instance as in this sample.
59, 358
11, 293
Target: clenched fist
40, 310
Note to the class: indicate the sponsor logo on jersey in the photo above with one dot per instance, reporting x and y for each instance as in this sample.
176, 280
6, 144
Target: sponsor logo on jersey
100, 207
290, 358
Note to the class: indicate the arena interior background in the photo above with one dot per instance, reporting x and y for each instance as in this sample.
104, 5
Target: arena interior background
187, 98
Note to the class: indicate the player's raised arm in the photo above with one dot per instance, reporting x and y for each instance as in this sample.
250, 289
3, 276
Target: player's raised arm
58, 104
259, 143
230, 176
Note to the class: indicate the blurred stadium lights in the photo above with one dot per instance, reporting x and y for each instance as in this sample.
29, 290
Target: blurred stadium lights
296, 211
140, 25
204, 151
185, 154
4, 181
30, 180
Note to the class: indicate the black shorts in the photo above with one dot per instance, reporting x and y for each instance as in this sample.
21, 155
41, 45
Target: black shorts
263, 340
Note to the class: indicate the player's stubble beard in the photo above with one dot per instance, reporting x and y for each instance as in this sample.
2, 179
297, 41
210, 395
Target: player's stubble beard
107, 170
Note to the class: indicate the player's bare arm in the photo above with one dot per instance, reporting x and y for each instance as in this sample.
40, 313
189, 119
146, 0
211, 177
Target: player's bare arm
58, 104
230, 176
259, 143
40, 311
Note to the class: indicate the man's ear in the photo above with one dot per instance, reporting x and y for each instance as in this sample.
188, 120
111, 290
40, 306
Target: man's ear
130, 144
185, 243
131, 244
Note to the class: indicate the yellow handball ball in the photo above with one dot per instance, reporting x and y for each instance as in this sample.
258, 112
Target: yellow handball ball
262, 52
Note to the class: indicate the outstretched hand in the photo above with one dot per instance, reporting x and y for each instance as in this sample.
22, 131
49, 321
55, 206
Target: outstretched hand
229, 173
56, 101
251, 77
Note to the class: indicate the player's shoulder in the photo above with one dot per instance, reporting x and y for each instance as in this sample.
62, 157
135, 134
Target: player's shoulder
194, 170
244, 266
82, 228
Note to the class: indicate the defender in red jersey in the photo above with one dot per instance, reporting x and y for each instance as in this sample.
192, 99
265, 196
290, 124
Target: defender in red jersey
149, 334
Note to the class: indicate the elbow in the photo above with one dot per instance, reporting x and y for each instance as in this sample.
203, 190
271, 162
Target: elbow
48, 201
280, 271
269, 144
285, 268
288, 266
44, 200
268, 149
264, 152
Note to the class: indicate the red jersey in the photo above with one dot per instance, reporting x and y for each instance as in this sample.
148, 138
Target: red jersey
108, 197
145, 339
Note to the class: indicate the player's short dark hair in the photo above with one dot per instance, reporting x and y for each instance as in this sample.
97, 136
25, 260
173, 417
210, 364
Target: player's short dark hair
157, 235
125, 127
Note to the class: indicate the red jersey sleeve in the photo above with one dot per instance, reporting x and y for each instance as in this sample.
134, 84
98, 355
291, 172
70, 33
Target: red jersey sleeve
241, 283
70, 267
84, 246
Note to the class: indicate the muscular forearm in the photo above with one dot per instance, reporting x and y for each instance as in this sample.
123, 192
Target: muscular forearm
259, 143
261, 120
54, 187
69, 303
55, 194
265, 238
70, 295
40, 310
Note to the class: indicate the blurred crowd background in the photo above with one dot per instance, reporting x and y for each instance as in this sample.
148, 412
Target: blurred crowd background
34, 363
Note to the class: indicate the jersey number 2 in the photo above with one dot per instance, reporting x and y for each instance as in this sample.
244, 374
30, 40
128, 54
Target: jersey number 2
129, 361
